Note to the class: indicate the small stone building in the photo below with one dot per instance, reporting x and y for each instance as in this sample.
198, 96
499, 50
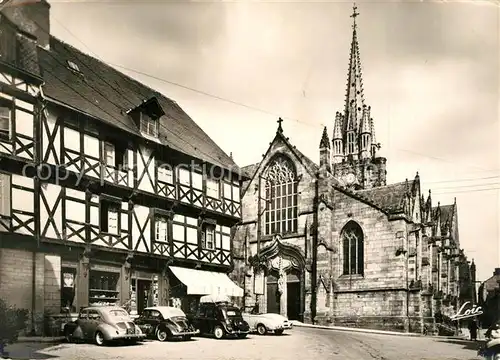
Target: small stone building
335, 244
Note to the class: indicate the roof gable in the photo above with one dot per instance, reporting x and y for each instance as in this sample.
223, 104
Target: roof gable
106, 94
252, 170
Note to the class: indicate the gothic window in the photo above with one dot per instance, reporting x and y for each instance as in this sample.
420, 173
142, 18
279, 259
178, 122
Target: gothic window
281, 197
353, 249
350, 143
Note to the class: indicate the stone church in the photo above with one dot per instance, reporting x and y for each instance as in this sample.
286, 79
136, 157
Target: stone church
335, 244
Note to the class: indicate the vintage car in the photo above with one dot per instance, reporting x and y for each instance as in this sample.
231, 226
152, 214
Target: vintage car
101, 324
164, 323
263, 323
218, 317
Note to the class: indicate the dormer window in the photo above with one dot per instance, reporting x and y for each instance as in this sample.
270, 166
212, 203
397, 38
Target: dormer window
147, 116
73, 66
148, 125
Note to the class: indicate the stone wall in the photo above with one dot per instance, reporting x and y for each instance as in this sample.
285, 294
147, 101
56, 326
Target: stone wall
383, 269
52, 284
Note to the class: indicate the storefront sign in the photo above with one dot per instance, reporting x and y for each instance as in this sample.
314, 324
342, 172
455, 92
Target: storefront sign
467, 310
259, 283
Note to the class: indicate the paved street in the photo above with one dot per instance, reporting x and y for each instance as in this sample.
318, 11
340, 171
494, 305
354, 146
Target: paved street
301, 343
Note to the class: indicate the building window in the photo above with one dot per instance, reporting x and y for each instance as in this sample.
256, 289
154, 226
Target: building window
281, 197
109, 217
353, 249
209, 237
114, 156
161, 229
148, 125
5, 122
213, 189
184, 177
350, 143
165, 174
5, 195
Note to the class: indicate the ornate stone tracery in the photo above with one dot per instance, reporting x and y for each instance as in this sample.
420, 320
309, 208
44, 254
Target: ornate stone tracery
280, 171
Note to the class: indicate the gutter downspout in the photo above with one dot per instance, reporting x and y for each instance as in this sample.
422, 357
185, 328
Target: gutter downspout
314, 272
37, 151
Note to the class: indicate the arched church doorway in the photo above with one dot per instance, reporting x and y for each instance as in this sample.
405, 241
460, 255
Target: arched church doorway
284, 294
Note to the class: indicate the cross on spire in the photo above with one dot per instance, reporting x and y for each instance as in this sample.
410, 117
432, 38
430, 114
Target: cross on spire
355, 14
280, 129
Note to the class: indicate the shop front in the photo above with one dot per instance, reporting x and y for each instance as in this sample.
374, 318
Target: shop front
188, 285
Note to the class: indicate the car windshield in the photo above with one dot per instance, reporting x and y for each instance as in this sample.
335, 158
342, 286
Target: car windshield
118, 313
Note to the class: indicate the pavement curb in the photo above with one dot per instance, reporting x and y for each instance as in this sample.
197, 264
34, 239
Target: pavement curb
40, 339
380, 332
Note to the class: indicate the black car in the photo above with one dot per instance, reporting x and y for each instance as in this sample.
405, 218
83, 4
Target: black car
220, 319
164, 323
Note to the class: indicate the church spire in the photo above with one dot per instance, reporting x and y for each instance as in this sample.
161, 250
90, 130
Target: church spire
354, 96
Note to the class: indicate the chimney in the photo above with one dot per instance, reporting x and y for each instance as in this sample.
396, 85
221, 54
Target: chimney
496, 272
31, 16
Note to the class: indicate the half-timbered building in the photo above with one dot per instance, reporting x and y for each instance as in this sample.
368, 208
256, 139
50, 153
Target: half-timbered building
109, 192
335, 244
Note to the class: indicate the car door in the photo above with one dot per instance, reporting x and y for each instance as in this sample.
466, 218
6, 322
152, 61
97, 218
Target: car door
210, 320
154, 320
199, 319
143, 324
94, 319
83, 322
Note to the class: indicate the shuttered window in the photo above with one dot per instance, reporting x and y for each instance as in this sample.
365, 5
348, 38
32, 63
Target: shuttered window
5, 195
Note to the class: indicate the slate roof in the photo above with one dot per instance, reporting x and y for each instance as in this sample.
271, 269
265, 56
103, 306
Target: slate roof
106, 94
390, 197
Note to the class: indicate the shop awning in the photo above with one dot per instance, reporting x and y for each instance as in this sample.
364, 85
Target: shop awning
201, 282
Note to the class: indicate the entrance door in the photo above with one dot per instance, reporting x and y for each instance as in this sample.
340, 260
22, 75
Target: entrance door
293, 295
273, 297
143, 291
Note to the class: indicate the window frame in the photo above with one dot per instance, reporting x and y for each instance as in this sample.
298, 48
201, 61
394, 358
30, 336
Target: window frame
109, 200
158, 218
7, 187
145, 122
8, 135
208, 228
217, 188
279, 192
160, 168
352, 236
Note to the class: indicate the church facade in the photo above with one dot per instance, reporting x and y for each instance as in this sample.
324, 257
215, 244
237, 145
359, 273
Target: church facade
333, 243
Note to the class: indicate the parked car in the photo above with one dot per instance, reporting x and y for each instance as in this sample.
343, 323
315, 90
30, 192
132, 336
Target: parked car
165, 322
263, 323
217, 316
101, 324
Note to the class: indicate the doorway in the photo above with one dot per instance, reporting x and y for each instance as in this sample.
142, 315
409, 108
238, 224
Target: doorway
273, 297
143, 294
293, 300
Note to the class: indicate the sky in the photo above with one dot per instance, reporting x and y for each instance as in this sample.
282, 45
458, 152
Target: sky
430, 74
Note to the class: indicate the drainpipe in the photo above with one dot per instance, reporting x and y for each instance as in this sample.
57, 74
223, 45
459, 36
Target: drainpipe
314, 270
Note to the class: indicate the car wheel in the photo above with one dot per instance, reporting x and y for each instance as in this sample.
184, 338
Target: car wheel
68, 335
99, 338
278, 332
161, 334
218, 332
261, 329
